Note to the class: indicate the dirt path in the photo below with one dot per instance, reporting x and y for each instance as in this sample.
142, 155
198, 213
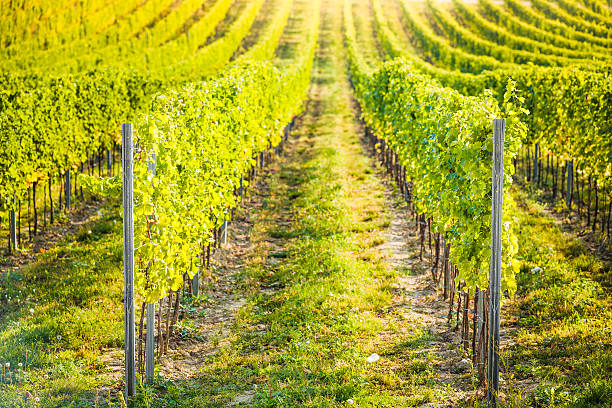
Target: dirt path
320, 274
51, 235
322, 240
205, 325
418, 310
210, 322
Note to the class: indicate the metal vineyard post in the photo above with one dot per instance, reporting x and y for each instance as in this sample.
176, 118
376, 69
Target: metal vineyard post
150, 340
499, 126
128, 261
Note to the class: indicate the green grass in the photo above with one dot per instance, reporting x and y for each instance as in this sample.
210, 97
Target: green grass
318, 306
327, 312
563, 315
58, 313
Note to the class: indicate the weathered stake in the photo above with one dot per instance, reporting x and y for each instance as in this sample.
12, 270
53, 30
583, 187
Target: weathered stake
128, 261
35, 210
13, 230
224, 233
195, 284
67, 190
150, 351
536, 163
195, 281
570, 177
150, 340
108, 161
499, 126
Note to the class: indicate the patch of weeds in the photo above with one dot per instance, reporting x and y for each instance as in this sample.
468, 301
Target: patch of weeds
59, 312
563, 313
187, 328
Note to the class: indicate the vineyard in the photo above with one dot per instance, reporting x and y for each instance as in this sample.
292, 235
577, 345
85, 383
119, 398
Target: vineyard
306, 203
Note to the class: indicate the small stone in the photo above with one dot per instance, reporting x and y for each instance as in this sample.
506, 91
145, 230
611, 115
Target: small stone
461, 367
373, 358
536, 269
349, 401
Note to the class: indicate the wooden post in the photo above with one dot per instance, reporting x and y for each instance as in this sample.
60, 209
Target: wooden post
51, 213
479, 328
109, 160
67, 190
128, 261
99, 164
536, 158
570, 173
19, 219
529, 173
35, 211
81, 168
61, 191
224, 233
594, 214
150, 340
499, 126
563, 171
29, 224
150, 351
195, 282
481, 317
13, 230
555, 176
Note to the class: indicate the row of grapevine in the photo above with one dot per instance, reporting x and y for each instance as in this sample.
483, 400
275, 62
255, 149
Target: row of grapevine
53, 124
85, 25
205, 137
462, 37
570, 135
393, 46
505, 19
205, 141
554, 12
440, 51
113, 39
158, 32
214, 56
32, 20
577, 9
437, 144
184, 58
442, 139
150, 46
265, 48
554, 26
242, 113
500, 35
597, 7
570, 131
